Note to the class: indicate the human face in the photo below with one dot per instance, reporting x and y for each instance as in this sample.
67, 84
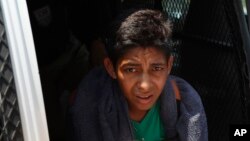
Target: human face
142, 73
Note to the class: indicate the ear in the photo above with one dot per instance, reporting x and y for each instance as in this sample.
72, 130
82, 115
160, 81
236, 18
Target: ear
109, 67
170, 63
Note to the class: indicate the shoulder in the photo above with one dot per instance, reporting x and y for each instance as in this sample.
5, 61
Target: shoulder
84, 113
189, 96
192, 122
95, 80
92, 88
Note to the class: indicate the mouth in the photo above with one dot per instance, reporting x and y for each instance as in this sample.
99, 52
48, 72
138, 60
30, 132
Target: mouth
144, 99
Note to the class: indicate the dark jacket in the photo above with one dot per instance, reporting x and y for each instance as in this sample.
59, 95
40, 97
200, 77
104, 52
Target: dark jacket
100, 112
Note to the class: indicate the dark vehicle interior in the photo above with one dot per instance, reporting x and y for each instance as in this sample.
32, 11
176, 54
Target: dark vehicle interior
211, 48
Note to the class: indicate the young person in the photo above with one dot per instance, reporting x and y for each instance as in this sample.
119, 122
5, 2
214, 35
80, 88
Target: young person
133, 97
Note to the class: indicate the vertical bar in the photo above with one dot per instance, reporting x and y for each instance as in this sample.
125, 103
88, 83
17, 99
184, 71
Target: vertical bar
25, 69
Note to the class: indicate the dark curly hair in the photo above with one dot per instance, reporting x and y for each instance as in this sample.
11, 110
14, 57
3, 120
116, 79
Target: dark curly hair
133, 28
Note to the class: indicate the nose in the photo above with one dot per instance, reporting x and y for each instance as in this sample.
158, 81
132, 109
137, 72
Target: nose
144, 82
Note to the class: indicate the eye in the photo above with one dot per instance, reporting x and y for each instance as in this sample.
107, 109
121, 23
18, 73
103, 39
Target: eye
158, 68
130, 70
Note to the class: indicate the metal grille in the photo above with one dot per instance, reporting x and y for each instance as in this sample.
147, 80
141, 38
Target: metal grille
177, 11
210, 56
10, 123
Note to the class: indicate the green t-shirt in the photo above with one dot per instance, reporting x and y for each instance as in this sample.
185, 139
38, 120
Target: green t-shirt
151, 127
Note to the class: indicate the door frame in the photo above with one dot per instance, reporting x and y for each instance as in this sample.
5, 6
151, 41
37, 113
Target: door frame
25, 69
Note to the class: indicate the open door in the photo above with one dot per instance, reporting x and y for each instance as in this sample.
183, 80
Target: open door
22, 114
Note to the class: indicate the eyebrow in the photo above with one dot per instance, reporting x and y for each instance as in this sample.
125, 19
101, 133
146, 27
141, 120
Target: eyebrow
136, 65
131, 64
158, 64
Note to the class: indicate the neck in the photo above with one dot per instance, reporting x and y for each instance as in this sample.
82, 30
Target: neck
137, 115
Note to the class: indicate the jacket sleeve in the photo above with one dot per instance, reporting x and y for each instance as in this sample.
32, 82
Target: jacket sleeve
192, 123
